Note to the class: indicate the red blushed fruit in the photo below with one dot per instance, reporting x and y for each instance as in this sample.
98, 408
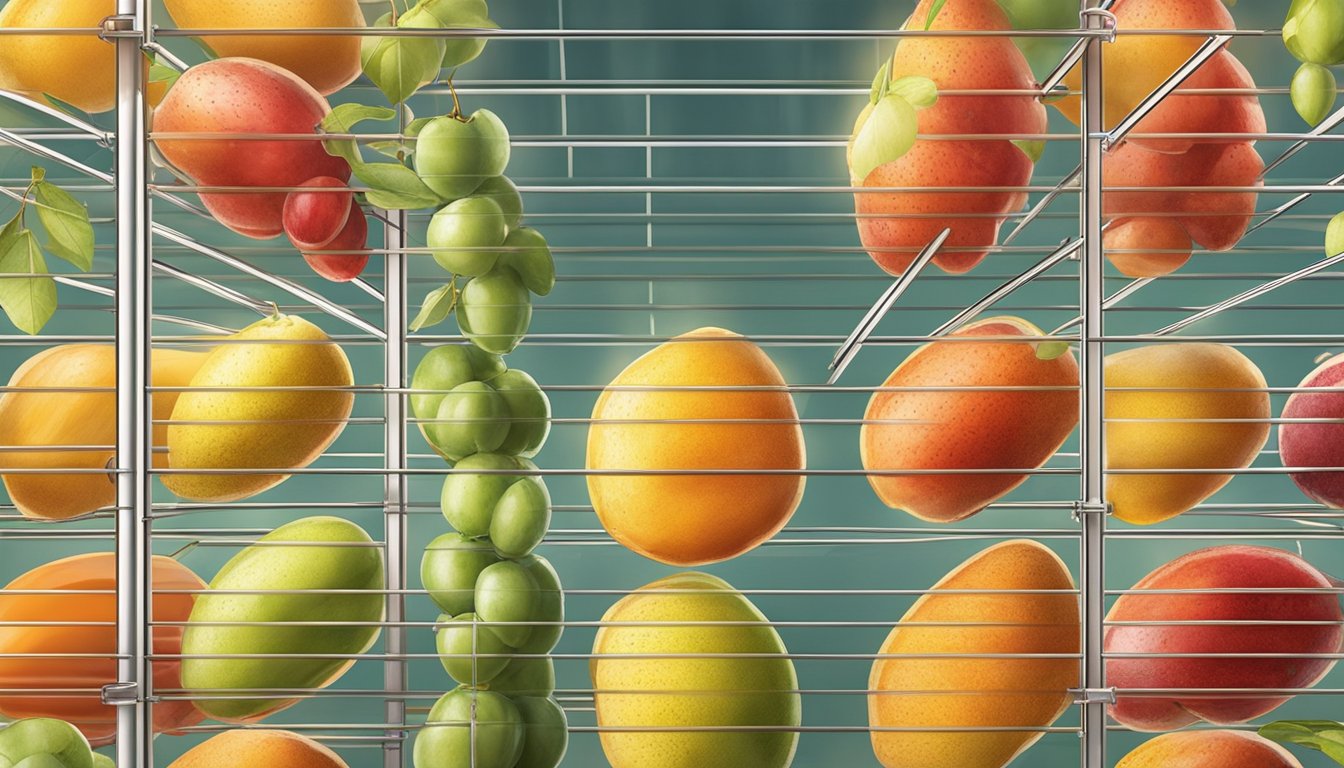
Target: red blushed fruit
346, 256
314, 219
1233, 618
1320, 441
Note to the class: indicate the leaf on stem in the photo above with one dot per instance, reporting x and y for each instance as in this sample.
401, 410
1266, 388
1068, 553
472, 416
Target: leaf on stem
438, 305
1322, 735
69, 233
27, 292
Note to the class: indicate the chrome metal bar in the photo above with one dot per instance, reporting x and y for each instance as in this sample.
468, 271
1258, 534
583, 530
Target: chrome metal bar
1091, 284
851, 346
1062, 69
1044, 265
1291, 204
395, 520
213, 288
1327, 125
1036, 210
83, 126
134, 340
1202, 54
1253, 293
1109, 303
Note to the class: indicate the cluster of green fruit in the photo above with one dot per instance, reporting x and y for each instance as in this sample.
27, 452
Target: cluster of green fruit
400, 66
1314, 33
47, 743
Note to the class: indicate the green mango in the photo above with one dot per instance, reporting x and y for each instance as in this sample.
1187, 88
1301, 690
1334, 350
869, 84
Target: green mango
351, 561
42, 742
1313, 92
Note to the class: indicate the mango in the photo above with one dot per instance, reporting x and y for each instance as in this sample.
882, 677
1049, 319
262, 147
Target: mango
653, 417
315, 553
19, 669
1163, 640
980, 607
1219, 421
1147, 246
746, 707
1209, 749
259, 749
327, 62
259, 429
973, 428
245, 98
1304, 443
62, 418
80, 70
895, 223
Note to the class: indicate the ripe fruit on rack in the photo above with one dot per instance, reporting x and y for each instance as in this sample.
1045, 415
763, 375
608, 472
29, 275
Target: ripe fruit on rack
1209, 749
257, 608
345, 257
245, 97
706, 400
495, 310
471, 727
313, 219
449, 569
45, 742
1147, 246
467, 403
454, 156
895, 225
1162, 640
81, 624
63, 418
716, 669
1179, 407
1304, 443
471, 652
466, 235
326, 62
513, 510
261, 749
230, 427
1016, 597
1019, 425
80, 70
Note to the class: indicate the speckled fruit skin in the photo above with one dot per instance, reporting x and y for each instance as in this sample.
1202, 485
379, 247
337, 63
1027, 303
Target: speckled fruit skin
689, 519
971, 429
245, 96
1220, 568
1027, 692
259, 749
886, 226
78, 69
1321, 444
698, 687
1219, 421
1209, 749
1147, 246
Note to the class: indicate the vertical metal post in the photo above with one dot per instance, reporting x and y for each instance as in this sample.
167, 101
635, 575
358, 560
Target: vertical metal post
394, 483
1092, 510
132, 689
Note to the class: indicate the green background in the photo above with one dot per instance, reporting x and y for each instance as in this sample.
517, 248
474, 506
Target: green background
781, 266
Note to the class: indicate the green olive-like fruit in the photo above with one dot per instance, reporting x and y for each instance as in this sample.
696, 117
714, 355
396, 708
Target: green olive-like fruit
43, 742
495, 310
1313, 92
446, 367
530, 256
469, 727
549, 613
529, 411
469, 499
507, 598
526, 676
1314, 31
453, 157
473, 418
466, 235
470, 653
505, 193
546, 732
449, 569
521, 518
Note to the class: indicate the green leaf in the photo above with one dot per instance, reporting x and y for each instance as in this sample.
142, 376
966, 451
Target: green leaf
405, 148
881, 83
1322, 735
400, 66
69, 109
888, 133
70, 235
342, 120
436, 308
1033, 148
1049, 350
934, 10
394, 187
160, 73
921, 92
29, 297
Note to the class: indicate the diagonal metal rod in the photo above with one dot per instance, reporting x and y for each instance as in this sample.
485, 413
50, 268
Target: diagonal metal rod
1182, 73
213, 288
1065, 251
1290, 205
1061, 71
1043, 203
164, 56
9, 137
85, 126
850, 348
1326, 125
1245, 296
1110, 302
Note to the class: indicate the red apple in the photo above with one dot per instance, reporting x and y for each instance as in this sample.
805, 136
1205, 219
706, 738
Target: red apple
1318, 443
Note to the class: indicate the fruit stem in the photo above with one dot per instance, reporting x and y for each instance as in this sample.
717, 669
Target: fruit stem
275, 310
395, 12
457, 105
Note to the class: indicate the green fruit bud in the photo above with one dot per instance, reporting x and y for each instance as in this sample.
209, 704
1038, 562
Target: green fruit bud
466, 235
1313, 92
450, 567
526, 251
473, 418
470, 653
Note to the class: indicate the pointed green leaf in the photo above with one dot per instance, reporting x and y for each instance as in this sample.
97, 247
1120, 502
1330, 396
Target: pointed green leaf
436, 308
1033, 148
160, 73
29, 296
1326, 736
921, 92
934, 10
400, 66
888, 133
342, 120
1049, 350
394, 187
881, 83
70, 235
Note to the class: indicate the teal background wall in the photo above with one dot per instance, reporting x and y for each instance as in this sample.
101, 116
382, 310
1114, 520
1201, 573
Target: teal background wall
781, 266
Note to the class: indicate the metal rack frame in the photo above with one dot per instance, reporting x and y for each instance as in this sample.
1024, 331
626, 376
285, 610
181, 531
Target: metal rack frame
133, 30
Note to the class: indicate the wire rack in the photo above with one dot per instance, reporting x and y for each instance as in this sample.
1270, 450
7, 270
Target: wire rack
687, 164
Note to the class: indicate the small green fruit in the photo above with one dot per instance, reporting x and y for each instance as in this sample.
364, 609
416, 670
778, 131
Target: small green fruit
473, 418
470, 653
466, 235
468, 727
521, 518
526, 676
506, 598
1334, 236
529, 411
527, 252
546, 732
503, 191
449, 569
1314, 31
469, 499
550, 611
453, 157
1313, 92
446, 367
43, 742
495, 310
400, 66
